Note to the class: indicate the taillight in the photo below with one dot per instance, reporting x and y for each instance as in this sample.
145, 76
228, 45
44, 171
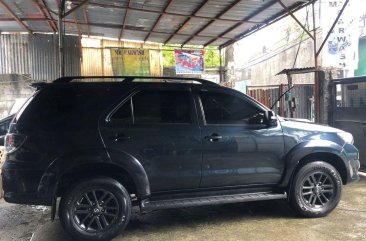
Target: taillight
13, 141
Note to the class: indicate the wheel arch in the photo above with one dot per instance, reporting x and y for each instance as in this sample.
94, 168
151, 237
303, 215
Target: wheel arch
330, 158
92, 170
88, 163
327, 157
309, 151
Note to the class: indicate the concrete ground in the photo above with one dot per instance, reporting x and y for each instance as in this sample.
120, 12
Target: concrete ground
19, 222
269, 220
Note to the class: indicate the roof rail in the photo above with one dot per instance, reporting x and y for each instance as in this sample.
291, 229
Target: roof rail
130, 79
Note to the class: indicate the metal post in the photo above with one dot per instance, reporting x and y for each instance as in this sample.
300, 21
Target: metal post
316, 79
220, 68
333, 100
294, 17
281, 108
289, 101
61, 40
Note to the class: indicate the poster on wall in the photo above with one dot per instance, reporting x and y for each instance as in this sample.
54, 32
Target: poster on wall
341, 49
130, 61
189, 61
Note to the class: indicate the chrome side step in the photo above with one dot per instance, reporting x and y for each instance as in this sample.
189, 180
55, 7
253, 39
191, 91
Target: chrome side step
147, 204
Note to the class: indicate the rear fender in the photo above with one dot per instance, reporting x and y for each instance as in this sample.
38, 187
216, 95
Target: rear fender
48, 185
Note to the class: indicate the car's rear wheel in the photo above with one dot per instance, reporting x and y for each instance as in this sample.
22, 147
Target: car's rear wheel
316, 189
95, 209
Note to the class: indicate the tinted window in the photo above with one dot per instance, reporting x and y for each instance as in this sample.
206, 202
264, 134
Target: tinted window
124, 113
51, 104
220, 108
161, 107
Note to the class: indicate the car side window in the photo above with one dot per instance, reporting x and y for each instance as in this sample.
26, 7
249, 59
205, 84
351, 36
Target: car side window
222, 108
155, 107
124, 113
161, 107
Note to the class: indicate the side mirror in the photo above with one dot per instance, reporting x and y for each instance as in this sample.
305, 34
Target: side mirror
257, 119
270, 118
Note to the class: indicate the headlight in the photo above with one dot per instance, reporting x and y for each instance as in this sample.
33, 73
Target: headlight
347, 137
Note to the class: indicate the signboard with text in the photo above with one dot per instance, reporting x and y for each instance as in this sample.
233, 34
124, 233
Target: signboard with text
130, 61
341, 48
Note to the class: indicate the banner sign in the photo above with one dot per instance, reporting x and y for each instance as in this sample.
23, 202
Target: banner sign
341, 48
189, 61
130, 61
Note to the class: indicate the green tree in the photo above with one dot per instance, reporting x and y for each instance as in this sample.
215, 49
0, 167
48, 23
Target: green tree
212, 57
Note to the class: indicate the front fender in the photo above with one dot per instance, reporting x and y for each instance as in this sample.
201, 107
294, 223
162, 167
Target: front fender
303, 149
60, 166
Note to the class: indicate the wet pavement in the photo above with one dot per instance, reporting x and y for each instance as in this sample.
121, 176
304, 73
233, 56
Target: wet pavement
19, 222
267, 220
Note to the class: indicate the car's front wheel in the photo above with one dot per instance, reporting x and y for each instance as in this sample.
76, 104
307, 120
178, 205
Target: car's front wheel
95, 209
316, 189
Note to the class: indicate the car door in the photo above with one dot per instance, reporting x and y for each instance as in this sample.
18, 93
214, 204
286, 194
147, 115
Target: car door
238, 147
158, 126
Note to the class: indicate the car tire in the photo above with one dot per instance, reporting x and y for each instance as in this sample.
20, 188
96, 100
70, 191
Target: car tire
316, 189
95, 209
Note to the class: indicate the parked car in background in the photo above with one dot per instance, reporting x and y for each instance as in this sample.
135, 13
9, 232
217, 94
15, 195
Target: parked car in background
165, 143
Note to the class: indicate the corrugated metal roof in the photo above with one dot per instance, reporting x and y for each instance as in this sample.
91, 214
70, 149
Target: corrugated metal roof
299, 70
193, 25
199, 22
169, 23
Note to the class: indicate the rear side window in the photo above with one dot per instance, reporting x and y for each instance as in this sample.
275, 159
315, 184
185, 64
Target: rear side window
161, 107
51, 106
221, 108
154, 107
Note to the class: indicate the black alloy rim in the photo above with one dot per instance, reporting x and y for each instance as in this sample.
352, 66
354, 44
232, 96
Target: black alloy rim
96, 210
317, 189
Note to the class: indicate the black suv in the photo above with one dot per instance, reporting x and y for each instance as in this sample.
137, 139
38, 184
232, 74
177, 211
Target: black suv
104, 146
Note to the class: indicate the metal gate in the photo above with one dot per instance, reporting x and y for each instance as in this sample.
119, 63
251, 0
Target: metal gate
302, 93
349, 105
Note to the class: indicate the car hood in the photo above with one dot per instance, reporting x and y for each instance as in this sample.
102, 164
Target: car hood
299, 131
297, 119
308, 126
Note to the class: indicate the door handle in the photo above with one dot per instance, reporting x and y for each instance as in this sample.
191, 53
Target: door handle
213, 137
120, 137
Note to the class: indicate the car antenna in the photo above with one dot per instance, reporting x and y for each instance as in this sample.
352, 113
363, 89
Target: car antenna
279, 98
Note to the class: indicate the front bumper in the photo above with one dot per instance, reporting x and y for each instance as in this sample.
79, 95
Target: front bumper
352, 160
